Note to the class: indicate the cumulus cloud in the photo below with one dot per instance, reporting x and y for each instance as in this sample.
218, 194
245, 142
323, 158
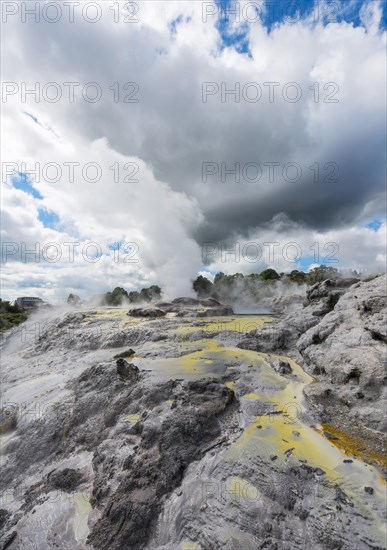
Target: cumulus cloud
116, 224
284, 245
220, 168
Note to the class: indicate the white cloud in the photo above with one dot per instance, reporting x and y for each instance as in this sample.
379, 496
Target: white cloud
282, 245
147, 213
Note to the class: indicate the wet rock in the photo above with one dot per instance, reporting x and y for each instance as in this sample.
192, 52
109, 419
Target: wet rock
319, 370
303, 514
342, 497
159, 465
197, 302
7, 540
66, 480
126, 370
204, 307
8, 418
282, 367
151, 312
221, 311
288, 452
127, 353
266, 339
268, 544
312, 470
4, 516
330, 436
353, 375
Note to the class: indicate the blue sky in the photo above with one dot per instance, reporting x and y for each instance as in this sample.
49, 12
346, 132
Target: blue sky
375, 225
48, 218
24, 183
332, 10
279, 11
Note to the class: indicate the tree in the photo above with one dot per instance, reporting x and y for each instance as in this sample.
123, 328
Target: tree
202, 286
219, 277
269, 275
150, 294
6, 307
116, 297
298, 277
321, 273
134, 297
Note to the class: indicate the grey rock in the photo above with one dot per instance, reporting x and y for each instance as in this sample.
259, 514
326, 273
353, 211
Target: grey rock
343, 351
161, 453
199, 307
166, 452
4, 516
282, 367
8, 418
126, 370
66, 480
266, 339
127, 353
152, 312
8, 539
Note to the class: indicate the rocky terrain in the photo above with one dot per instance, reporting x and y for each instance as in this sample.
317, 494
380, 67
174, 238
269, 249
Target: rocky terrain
184, 426
183, 307
339, 336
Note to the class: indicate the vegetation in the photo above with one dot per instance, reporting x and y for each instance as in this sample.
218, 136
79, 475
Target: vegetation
146, 295
254, 286
120, 296
10, 315
298, 277
115, 298
322, 273
202, 286
269, 275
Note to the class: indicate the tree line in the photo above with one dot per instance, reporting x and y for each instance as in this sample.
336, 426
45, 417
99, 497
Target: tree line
226, 285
